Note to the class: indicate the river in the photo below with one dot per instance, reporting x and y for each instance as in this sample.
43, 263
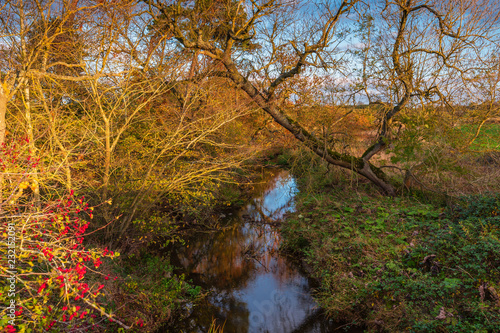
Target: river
253, 288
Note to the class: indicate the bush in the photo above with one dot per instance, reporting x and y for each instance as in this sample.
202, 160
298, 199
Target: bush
53, 280
150, 292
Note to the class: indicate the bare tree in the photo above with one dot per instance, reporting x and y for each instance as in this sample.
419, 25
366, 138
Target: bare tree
292, 47
429, 42
424, 40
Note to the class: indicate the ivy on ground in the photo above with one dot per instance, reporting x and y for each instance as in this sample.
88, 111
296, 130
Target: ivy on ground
400, 265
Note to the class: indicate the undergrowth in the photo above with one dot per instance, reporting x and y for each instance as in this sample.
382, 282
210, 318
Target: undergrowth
397, 264
150, 292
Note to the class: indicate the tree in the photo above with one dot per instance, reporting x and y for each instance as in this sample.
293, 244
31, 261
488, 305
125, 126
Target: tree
290, 46
428, 42
116, 117
33, 35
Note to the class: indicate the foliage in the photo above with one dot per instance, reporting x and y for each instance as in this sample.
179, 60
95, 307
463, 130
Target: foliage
214, 328
58, 284
400, 265
487, 139
214, 19
150, 294
154, 106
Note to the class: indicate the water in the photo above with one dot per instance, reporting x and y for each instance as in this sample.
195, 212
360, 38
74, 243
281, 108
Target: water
252, 287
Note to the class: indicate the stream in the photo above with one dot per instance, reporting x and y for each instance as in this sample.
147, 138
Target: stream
252, 287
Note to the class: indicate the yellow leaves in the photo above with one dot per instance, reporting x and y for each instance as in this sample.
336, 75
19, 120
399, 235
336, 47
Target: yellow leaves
37, 309
5, 89
24, 254
103, 311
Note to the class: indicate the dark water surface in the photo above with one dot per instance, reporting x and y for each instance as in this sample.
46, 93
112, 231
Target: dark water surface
253, 288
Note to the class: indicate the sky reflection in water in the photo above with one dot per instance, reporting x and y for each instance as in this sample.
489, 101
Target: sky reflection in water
254, 288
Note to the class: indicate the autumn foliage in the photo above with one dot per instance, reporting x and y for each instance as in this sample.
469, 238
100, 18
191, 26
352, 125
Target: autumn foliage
58, 285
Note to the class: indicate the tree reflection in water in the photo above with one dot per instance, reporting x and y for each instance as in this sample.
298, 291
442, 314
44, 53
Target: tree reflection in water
254, 289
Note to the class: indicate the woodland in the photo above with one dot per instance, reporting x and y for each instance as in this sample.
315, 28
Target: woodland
125, 125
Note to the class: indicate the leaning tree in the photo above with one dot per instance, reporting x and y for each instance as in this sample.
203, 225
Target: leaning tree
261, 45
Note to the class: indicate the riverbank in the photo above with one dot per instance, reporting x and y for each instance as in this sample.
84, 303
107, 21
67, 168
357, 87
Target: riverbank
398, 264
153, 288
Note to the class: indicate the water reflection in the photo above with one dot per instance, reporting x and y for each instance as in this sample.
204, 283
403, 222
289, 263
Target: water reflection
254, 289
275, 198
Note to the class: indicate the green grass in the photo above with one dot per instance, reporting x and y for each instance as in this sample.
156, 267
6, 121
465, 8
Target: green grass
488, 139
396, 264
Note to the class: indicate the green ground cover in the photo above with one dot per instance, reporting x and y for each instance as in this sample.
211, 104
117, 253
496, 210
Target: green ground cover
488, 139
396, 264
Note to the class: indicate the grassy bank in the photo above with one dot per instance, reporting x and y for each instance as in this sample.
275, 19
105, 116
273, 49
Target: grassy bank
398, 264
487, 138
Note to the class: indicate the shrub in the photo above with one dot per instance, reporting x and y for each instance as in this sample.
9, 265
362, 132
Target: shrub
49, 277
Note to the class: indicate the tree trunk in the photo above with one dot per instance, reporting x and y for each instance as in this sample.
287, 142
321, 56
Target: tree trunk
359, 165
31, 143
